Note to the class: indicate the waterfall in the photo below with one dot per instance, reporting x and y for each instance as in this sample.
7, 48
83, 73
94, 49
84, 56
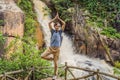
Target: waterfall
67, 53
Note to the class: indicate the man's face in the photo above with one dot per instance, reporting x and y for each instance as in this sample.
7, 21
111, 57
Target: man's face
56, 27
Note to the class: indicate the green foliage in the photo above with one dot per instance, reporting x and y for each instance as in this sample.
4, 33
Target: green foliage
46, 9
29, 26
99, 12
101, 8
62, 7
2, 38
20, 60
24, 59
110, 32
29, 35
27, 7
117, 64
117, 71
1, 22
117, 68
2, 42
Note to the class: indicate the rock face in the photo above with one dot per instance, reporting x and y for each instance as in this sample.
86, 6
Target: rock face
86, 40
39, 36
12, 21
116, 24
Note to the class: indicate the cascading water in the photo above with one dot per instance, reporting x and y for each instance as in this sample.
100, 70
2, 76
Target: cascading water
67, 52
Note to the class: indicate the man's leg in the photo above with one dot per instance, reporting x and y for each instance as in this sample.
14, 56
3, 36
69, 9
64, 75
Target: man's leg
46, 54
55, 67
56, 57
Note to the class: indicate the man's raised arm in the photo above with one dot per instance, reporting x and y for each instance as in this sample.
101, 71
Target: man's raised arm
63, 23
50, 26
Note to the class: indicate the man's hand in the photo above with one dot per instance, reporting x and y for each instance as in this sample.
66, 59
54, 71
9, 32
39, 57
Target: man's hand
63, 23
56, 17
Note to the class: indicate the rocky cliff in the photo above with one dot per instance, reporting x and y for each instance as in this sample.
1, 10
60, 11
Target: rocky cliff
12, 24
87, 40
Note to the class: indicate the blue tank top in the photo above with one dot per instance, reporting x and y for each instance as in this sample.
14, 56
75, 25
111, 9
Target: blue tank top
56, 38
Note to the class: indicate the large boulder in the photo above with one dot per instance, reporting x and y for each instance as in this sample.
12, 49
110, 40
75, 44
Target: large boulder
12, 23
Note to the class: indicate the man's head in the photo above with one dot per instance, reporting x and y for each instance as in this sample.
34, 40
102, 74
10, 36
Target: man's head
57, 26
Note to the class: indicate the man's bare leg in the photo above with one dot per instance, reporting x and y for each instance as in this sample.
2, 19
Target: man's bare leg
55, 67
56, 58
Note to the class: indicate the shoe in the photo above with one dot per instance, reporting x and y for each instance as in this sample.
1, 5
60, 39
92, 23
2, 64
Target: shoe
54, 78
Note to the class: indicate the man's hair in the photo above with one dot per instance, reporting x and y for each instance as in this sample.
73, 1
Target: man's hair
57, 24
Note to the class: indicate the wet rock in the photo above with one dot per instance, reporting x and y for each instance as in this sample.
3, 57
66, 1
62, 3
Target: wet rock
115, 54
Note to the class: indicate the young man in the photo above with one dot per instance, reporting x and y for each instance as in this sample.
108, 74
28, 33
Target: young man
55, 43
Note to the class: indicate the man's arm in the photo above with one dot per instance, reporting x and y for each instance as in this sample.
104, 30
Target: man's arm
63, 23
50, 26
